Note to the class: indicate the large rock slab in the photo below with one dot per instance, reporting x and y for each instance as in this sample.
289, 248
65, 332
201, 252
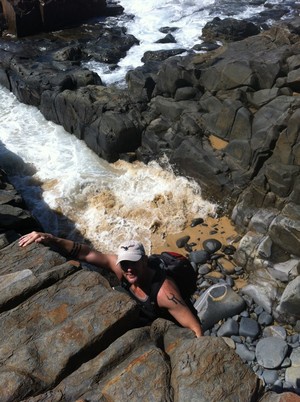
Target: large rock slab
131, 368
57, 329
206, 369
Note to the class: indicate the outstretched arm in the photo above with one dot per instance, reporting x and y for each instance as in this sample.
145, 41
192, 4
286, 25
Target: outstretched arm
75, 250
169, 297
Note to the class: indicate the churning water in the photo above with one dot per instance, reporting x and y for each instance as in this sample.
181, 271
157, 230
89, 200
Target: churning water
67, 187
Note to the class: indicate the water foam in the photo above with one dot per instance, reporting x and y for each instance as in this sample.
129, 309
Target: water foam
108, 202
188, 17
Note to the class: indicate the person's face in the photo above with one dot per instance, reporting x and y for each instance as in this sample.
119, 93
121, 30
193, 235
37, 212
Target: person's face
132, 271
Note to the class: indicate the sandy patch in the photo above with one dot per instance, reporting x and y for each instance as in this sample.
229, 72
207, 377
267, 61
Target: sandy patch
212, 228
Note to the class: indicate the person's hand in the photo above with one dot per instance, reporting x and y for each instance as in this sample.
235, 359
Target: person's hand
35, 237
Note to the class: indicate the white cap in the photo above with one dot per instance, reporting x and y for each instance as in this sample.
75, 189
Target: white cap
131, 250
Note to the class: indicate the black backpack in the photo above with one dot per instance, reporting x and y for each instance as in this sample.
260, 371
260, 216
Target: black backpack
179, 269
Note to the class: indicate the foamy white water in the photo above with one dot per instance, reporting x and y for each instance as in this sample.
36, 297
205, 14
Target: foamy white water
108, 202
187, 16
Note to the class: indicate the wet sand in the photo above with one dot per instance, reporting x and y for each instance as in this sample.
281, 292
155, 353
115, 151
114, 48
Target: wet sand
221, 229
216, 228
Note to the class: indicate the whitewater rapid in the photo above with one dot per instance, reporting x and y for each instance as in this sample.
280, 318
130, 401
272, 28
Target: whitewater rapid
69, 189
185, 18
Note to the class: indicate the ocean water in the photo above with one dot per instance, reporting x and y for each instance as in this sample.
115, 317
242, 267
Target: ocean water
68, 188
144, 19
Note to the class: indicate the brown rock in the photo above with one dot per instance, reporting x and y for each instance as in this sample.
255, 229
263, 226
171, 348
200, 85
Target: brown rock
206, 369
131, 368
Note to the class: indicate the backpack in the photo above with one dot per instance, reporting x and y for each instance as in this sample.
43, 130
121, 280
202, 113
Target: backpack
179, 269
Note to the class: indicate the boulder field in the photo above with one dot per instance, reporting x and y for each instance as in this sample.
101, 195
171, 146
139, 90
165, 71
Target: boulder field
229, 118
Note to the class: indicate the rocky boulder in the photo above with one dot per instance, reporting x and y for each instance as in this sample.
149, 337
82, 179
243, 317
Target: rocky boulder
229, 29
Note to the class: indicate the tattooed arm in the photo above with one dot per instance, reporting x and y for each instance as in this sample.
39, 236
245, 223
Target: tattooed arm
169, 297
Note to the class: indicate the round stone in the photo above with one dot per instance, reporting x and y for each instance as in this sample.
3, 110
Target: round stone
212, 245
270, 376
199, 256
270, 352
265, 318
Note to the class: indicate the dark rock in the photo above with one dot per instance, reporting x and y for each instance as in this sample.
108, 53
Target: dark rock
212, 245
166, 30
199, 256
230, 327
229, 29
265, 319
169, 38
229, 249
111, 46
160, 55
207, 46
196, 221
182, 241
16, 218
249, 327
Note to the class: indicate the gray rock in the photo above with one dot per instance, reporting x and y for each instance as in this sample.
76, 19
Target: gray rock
230, 327
218, 302
292, 376
199, 256
290, 299
270, 352
286, 362
295, 357
258, 310
261, 220
203, 269
285, 271
285, 233
270, 376
263, 289
265, 318
274, 331
264, 249
244, 353
249, 327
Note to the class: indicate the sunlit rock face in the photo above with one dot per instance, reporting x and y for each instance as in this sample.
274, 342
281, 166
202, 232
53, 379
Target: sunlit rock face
33, 16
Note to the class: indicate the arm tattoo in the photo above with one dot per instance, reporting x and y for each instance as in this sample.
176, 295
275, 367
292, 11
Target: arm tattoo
174, 299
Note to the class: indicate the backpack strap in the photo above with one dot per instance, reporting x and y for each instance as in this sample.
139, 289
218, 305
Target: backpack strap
160, 275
